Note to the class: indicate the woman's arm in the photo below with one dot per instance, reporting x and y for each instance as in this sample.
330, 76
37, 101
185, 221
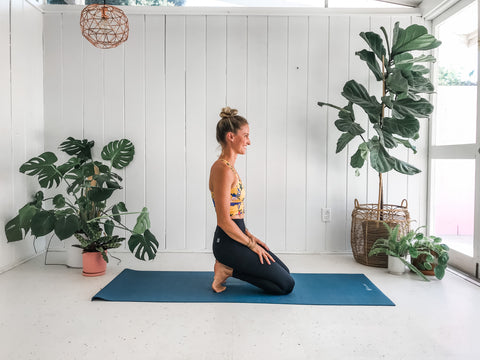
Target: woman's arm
257, 240
222, 178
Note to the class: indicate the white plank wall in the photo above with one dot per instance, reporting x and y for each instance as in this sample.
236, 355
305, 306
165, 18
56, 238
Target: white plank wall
164, 88
21, 117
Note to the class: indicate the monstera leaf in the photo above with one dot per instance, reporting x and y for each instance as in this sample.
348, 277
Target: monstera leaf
119, 152
144, 247
80, 148
143, 222
44, 167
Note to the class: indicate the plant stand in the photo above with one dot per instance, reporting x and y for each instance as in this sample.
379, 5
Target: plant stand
367, 227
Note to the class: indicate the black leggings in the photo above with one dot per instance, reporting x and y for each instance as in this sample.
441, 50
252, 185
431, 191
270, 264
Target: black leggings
274, 278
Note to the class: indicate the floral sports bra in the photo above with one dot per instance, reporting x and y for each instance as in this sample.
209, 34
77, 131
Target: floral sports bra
237, 194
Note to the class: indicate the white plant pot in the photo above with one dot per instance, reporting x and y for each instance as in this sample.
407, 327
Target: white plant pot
395, 266
73, 254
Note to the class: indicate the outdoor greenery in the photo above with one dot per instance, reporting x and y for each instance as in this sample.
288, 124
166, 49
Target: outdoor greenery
81, 210
394, 115
448, 77
417, 245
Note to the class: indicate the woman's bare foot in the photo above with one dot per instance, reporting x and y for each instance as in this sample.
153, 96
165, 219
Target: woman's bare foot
222, 273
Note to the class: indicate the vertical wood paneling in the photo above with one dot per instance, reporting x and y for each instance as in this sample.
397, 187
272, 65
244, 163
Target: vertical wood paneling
135, 115
113, 109
53, 95
417, 184
53, 86
296, 132
155, 135
72, 90
236, 48
316, 130
216, 95
358, 70
20, 83
7, 167
337, 164
164, 90
196, 166
175, 129
257, 113
21, 116
277, 132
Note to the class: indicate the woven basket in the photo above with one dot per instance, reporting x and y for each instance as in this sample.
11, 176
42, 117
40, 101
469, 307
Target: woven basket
367, 227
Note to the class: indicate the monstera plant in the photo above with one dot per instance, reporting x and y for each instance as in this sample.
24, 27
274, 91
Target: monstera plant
394, 115
81, 209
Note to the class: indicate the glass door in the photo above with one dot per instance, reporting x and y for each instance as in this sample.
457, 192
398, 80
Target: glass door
454, 146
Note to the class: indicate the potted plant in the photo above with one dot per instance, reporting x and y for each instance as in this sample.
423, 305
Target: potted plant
393, 117
433, 256
81, 208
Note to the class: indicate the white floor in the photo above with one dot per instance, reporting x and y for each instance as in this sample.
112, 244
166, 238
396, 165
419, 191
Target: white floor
46, 313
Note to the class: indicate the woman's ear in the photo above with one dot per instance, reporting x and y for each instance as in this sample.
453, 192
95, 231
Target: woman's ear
230, 136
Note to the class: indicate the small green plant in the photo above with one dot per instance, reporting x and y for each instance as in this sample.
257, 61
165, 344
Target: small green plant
432, 254
82, 209
399, 247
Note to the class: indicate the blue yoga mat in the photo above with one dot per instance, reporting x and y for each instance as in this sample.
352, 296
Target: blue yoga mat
194, 286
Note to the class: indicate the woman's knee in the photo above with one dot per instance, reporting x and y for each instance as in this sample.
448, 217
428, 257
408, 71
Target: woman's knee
287, 285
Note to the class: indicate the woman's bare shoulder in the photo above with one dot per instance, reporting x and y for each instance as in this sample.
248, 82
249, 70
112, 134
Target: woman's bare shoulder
220, 170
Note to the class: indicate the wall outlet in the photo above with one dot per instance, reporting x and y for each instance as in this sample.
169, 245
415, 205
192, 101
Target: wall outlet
326, 214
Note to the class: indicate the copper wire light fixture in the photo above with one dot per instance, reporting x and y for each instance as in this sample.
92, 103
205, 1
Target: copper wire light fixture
105, 26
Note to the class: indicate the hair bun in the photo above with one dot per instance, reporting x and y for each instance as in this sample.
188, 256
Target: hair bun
227, 112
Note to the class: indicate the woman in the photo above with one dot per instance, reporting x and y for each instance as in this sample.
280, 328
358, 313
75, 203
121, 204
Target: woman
237, 252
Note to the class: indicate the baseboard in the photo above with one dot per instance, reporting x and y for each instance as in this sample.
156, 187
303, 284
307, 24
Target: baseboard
20, 262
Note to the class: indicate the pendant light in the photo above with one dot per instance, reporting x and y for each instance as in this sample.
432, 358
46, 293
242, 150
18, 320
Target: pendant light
105, 26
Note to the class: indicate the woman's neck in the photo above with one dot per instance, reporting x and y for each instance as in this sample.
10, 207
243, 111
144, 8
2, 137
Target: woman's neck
229, 156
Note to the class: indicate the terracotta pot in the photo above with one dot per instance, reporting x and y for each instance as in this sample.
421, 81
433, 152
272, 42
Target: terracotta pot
93, 264
421, 259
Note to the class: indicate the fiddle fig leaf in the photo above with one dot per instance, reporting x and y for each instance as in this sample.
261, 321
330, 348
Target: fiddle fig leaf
379, 157
420, 69
420, 84
43, 223
44, 167
387, 100
143, 222
80, 148
344, 139
414, 37
369, 58
421, 108
357, 94
407, 58
119, 152
375, 43
144, 247
396, 82
406, 127
358, 159
66, 226
13, 231
404, 168
349, 126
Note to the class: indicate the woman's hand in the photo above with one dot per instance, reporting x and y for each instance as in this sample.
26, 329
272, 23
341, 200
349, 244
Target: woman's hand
261, 252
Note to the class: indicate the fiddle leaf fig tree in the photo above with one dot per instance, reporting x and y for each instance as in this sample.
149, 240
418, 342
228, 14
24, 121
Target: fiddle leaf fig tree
82, 210
394, 114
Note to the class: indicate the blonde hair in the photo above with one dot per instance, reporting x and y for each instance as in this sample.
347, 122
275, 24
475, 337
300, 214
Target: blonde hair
229, 122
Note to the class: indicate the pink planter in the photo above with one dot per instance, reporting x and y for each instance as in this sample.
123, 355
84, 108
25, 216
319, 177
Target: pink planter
93, 264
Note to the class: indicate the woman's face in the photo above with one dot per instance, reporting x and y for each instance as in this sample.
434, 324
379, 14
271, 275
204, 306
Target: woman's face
241, 140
